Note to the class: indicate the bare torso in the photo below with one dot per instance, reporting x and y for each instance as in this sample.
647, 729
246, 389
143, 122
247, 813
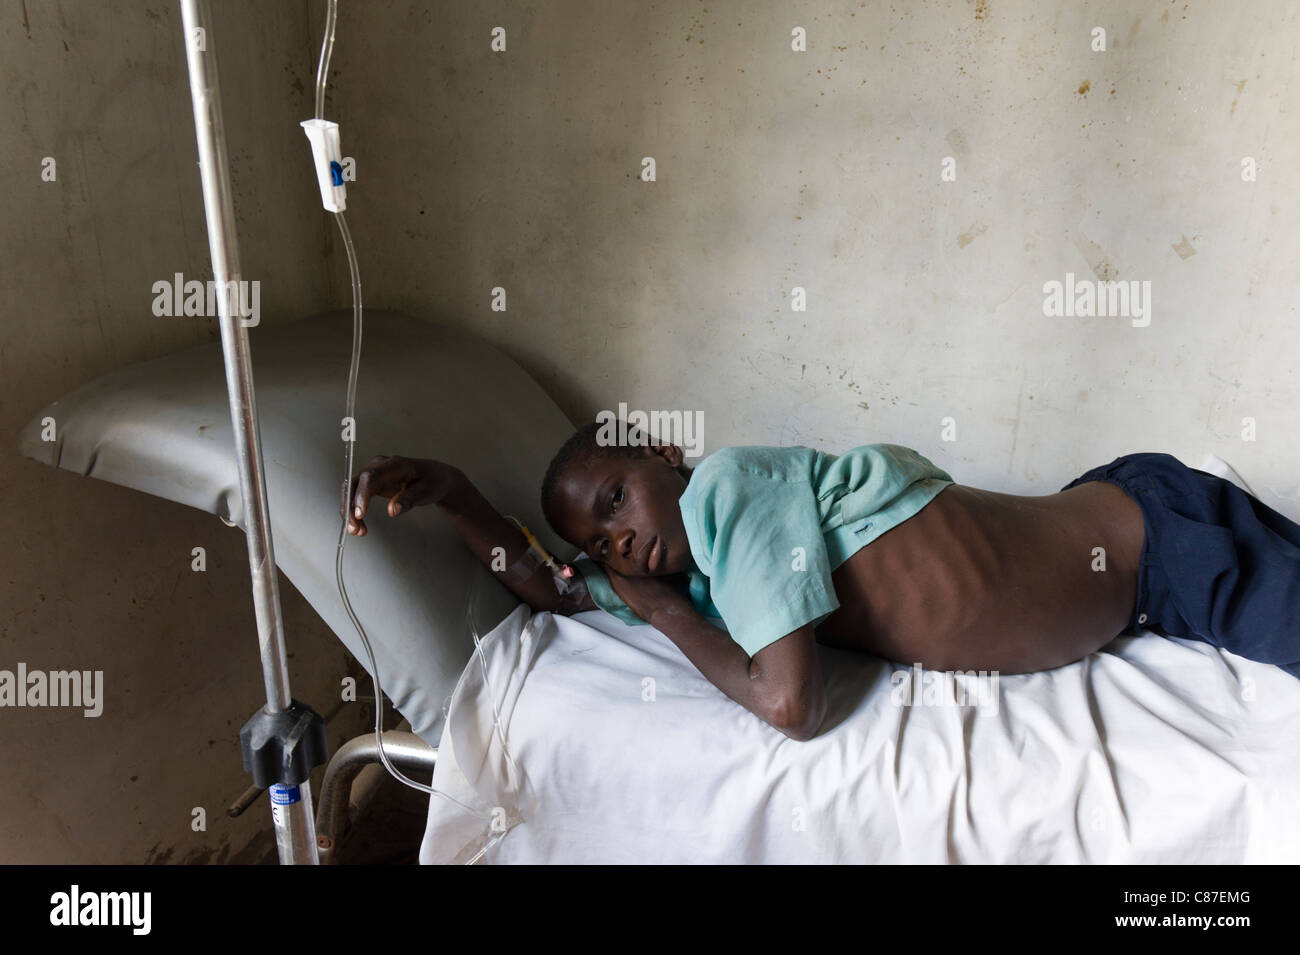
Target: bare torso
979, 580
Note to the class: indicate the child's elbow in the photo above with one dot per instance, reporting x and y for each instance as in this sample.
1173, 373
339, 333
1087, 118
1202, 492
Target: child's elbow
800, 720
799, 735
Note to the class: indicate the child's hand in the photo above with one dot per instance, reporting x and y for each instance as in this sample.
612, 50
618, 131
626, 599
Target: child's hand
645, 595
407, 482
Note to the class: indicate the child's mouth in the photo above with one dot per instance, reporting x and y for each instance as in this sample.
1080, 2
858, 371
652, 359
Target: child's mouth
654, 555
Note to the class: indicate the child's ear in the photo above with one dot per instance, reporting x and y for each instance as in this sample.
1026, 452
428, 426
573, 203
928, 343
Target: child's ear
670, 453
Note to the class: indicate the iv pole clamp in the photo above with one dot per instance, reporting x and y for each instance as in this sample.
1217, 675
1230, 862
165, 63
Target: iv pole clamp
283, 742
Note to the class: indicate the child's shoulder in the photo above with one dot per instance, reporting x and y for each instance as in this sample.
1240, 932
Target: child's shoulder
786, 464
798, 464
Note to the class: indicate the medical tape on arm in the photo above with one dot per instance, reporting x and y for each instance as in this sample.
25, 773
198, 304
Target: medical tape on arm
568, 583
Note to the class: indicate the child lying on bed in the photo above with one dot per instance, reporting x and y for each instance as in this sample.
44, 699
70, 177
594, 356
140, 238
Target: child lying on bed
774, 543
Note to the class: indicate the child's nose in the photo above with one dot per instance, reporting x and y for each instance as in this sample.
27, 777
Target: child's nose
625, 540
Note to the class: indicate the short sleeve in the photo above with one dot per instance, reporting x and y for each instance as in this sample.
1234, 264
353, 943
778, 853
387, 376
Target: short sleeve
603, 594
755, 529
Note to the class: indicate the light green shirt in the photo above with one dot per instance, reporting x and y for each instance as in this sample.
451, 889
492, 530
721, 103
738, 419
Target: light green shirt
767, 526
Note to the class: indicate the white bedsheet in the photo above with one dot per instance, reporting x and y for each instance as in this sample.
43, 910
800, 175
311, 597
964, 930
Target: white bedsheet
1154, 750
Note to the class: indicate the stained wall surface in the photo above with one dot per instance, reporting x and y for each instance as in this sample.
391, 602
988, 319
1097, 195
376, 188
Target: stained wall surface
824, 170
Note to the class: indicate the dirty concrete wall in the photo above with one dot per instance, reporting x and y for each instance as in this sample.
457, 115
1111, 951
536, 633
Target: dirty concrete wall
95, 576
522, 170
824, 170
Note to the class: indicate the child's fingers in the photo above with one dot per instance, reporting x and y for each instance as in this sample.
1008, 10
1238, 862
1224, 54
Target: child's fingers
400, 499
378, 478
361, 496
354, 524
346, 499
361, 489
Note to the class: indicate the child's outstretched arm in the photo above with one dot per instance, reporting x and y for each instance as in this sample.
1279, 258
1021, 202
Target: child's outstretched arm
782, 684
413, 482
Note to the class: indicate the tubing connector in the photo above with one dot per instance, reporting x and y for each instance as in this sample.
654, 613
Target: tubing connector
564, 574
324, 137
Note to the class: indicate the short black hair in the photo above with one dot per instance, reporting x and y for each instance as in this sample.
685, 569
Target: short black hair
583, 447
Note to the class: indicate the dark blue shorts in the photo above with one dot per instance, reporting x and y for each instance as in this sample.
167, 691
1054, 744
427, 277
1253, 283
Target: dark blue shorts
1218, 564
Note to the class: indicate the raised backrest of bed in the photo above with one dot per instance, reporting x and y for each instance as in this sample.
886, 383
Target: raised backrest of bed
163, 426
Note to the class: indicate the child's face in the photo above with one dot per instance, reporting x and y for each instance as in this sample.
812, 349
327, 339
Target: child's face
623, 512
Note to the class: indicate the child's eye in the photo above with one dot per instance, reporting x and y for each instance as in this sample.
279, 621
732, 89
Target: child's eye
617, 499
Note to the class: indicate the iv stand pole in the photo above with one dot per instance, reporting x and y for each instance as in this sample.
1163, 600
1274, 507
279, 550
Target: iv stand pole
295, 830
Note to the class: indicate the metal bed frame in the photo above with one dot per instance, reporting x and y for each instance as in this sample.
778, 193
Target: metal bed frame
334, 816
